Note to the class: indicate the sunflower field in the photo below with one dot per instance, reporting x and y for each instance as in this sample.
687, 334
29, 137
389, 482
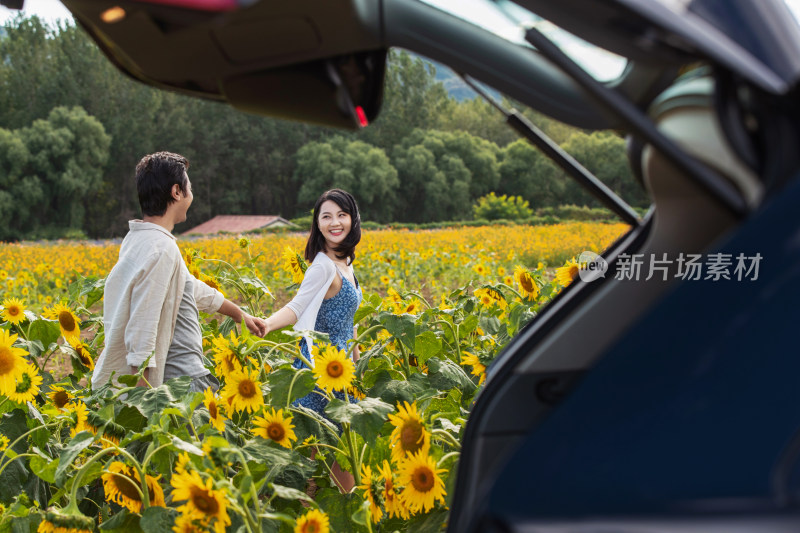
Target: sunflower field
438, 306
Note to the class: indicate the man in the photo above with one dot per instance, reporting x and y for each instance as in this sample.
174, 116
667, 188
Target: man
151, 299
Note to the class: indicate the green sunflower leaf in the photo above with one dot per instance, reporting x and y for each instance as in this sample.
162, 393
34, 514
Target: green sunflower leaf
365, 417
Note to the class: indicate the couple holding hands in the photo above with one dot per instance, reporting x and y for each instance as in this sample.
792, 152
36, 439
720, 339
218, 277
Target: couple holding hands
152, 301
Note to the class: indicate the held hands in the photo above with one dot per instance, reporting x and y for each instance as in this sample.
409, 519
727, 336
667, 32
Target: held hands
257, 326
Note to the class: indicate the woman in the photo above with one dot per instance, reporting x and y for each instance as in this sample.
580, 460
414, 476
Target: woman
329, 294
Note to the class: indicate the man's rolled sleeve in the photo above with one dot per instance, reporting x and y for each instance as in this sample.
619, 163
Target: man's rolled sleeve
207, 299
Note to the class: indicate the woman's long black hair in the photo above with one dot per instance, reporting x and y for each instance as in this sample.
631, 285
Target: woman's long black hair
316, 241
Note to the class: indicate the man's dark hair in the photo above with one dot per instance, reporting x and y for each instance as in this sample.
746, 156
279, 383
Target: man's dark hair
316, 240
155, 175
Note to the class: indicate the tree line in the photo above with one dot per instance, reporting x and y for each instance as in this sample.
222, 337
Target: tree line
72, 128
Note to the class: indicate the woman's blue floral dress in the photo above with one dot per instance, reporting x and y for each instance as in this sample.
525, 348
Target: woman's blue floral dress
335, 317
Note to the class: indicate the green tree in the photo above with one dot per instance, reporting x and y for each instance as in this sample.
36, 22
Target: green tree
492, 207
355, 166
525, 171
603, 154
46, 172
442, 173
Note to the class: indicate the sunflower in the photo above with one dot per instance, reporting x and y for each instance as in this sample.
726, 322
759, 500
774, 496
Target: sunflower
243, 390
332, 368
244, 243
122, 485
211, 281
275, 427
526, 283
313, 521
481, 270
203, 502
501, 271
27, 385
67, 321
385, 280
56, 521
3, 443
59, 396
13, 310
83, 353
423, 486
215, 415
187, 524
183, 460
81, 417
294, 265
478, 368
395, 507
409, 434
224, 356
12, 363
490, 297
371, 487
567, 273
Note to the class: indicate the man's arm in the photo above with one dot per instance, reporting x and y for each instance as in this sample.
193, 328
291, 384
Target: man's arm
257, 326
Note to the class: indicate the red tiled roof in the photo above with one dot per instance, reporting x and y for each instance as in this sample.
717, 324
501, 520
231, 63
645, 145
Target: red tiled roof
236, 224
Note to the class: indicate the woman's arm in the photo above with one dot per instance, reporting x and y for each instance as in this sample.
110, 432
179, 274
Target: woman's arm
280, 319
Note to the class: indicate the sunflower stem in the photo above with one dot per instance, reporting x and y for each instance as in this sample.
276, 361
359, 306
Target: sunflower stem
76, 483
454, 331
512, 289
452, 440
352, 453
11, 446
291, 386
446, 457
364, 334
142, 480
253, 493
4, 400
14, 458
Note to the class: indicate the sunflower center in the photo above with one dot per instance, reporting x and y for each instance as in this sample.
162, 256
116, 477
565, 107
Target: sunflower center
573, 271
526, 283
66, 320
422, 479
212, 409
126, 487
204, 501
312, 526
411, 436
247, 389
6, 360
276, 431
13, 310
335, 369
84, 357
60, 399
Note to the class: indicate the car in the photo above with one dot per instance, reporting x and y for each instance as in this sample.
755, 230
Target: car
659, 391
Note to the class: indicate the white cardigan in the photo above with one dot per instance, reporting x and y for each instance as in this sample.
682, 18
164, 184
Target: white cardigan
315, 285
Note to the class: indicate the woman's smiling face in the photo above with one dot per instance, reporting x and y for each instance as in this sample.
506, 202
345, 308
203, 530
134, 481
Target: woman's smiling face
334, 223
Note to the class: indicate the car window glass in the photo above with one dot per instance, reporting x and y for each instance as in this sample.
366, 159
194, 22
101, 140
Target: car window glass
508, 20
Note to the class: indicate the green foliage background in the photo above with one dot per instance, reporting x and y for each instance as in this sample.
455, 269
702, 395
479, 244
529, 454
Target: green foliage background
72, 128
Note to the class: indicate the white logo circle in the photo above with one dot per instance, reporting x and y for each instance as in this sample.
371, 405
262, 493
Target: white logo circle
593, 266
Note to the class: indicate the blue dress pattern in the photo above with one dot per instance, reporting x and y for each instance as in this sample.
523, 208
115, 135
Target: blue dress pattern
335, 317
